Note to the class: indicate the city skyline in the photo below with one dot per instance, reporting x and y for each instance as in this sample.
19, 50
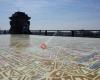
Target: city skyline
54, 14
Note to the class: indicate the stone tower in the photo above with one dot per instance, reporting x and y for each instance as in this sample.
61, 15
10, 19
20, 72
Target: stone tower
19, 22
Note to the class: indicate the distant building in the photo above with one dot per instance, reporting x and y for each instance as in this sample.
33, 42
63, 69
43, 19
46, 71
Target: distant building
19, 22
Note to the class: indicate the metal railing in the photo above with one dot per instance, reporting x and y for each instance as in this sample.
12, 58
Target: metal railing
73, 33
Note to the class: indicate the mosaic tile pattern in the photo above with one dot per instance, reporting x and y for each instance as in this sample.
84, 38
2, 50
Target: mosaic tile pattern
23, 59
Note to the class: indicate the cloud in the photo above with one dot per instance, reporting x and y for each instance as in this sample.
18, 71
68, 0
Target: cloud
30, 6
36, 6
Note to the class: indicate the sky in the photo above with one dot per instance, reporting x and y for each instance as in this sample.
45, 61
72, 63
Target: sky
53, 14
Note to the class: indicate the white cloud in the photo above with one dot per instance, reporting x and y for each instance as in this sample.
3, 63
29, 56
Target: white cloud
30, 6
36, 6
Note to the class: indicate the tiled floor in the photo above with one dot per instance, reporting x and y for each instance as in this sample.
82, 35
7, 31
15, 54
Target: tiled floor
65, 58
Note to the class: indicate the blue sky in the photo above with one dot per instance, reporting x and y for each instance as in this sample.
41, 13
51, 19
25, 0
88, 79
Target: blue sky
54, 14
